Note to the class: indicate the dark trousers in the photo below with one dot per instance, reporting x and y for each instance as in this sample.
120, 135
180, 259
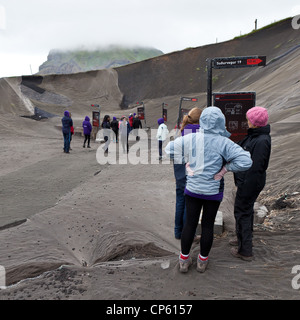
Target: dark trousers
193, 209
244, 215
116, 132
87, 138
160, 143
180, 211
66, 141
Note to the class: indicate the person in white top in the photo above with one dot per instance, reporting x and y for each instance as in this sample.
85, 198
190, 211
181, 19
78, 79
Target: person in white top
161, 135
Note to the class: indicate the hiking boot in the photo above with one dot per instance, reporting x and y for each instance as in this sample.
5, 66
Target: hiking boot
184, 265
201, 265
235, 253
234, 242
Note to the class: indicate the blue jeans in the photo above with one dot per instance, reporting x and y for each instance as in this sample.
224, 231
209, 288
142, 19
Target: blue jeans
66, 141
180, 211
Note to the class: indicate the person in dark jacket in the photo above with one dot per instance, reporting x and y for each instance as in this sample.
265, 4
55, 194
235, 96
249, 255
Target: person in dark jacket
115, 127
87, 129
130, 121
251, 182
106, 132
72, 131
136, 124
67, 123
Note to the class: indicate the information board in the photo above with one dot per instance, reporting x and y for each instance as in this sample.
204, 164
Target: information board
234, 106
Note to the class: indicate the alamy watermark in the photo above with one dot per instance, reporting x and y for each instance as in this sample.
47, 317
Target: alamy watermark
2, 18
142, 147
296, 22
296, 278
2, 278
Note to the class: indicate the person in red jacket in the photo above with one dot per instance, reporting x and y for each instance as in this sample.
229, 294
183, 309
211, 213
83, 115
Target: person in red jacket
130, 120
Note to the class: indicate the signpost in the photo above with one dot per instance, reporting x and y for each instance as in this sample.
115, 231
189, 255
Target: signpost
96, 116
141, 111
180, 112
164, 112
230, 62
234, 105
239, 62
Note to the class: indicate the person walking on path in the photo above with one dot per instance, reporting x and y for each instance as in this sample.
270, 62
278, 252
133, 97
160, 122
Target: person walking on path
251, 182
115, 128
206, 152
162, 133
190, 124
87, 129
67, 123
106, 132
71, 132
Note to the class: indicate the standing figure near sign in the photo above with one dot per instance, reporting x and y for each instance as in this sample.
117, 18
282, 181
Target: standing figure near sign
67, 123
162, 133
251, 182
106, 132
136, 124
87, 129
190, 124
115, 128
206, 152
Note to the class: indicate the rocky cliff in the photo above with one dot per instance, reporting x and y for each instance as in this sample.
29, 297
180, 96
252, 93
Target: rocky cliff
82, 60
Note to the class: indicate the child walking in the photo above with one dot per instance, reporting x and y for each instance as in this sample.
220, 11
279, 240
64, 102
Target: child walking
162, 133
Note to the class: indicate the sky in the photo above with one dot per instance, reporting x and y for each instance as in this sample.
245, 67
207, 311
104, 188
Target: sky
30, 29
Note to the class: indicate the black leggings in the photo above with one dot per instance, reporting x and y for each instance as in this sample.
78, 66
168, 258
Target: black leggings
193, 209
87, 137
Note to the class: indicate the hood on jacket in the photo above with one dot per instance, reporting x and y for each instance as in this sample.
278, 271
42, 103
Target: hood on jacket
212, 120
86, 118
160, 121
67, 113
114, 118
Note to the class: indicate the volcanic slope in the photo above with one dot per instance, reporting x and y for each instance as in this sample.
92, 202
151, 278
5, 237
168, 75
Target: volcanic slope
94, 231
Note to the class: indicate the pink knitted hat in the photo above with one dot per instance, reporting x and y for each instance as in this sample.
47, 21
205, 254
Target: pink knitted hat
258, 116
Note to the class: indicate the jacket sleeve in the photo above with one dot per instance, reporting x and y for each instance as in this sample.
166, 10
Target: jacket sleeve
176, 150
237, 159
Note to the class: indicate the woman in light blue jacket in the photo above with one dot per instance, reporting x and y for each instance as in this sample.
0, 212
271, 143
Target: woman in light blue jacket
209, 154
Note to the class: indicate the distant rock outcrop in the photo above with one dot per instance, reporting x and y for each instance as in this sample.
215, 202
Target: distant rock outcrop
82, 60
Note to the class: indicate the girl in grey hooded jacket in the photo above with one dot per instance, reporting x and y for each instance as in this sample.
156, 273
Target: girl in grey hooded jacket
207, 152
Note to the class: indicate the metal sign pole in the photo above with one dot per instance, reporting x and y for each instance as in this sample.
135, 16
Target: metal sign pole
209, 81
179, 114
144, 114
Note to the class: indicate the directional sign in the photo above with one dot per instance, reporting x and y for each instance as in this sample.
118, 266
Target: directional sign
239, 62
189, 99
